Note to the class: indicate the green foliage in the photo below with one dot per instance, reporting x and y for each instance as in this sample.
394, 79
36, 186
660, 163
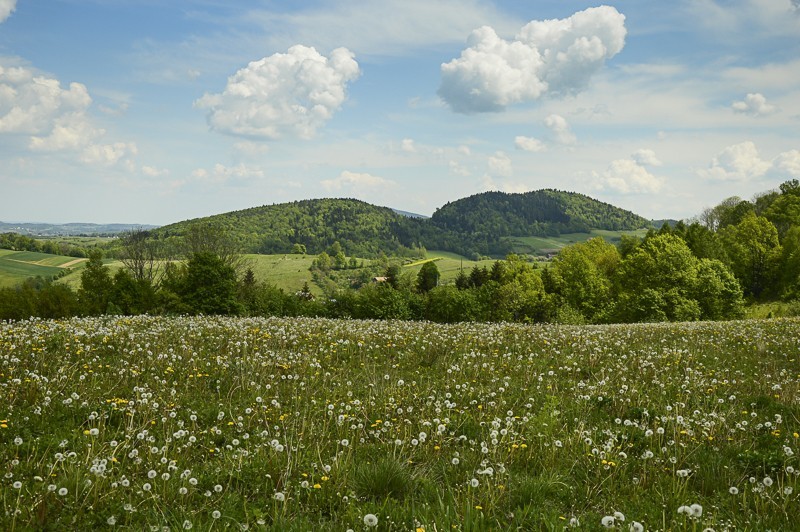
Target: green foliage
427, 277
96, 286
753, 251
581, 275
209, 285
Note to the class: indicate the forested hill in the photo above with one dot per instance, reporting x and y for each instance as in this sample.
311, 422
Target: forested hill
539, 213
478, 224
362, 229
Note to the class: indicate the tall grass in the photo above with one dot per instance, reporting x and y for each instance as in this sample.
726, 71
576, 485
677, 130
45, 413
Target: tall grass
301, 424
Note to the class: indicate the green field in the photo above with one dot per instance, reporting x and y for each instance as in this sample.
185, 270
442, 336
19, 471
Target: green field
448, 264
535, 245
312, 424
16, 266
286, 271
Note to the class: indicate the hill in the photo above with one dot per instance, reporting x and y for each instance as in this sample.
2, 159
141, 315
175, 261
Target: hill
362, 229
485, 223
478, 225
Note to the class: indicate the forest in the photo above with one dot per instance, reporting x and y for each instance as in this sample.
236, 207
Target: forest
733, 254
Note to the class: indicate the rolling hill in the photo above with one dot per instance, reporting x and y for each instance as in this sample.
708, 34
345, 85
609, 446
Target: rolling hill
479, 225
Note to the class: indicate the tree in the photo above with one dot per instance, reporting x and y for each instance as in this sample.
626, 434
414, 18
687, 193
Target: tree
299, 249
581, 274
753, 252
210, 285
142, 254
392, 275
428, 277
96, 285
656, 282
718, 292
132, 296
212, 237
784, 211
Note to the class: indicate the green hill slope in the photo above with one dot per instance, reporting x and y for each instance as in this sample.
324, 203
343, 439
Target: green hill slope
362, 229
478, 225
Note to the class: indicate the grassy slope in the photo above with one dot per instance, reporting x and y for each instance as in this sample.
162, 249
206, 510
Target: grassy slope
536, 245
16, 266
302, 424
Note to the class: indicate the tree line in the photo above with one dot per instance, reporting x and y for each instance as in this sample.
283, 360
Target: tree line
706, 269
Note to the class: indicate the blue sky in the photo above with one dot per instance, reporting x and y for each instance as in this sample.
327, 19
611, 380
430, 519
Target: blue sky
144, 111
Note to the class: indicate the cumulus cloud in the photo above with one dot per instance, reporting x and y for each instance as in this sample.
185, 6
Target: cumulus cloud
742, 162
645, 157
500, 164
407, 145
152, 171
290, 94
109, 154
787, 163
529, 144
630, 176
754, 104
356, 181
35, 104
488, 183
55, 118
458, 169
560, 132
227, 174
739, 162
6, 8
550, 57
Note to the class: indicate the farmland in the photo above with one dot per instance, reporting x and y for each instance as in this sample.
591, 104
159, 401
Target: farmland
299, 424
16, 266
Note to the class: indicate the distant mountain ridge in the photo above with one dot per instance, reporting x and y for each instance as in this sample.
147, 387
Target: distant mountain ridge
69, 229
476, 225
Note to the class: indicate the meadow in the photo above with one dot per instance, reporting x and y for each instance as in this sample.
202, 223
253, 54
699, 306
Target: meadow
16, 266
299, 424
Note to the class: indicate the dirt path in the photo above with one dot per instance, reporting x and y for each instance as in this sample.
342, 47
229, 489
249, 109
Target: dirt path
71, 263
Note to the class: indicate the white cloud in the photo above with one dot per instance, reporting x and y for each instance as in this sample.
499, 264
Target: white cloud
458, 169
629, 176
739, 162
551, 57
221, 174
560, 131
152, 171
407, 145
500, 164
529, 144
55, 118
754, 104
34, 104
787, 164
108, 154
6, 8
488, 183
645, 157
356, 181
284, 94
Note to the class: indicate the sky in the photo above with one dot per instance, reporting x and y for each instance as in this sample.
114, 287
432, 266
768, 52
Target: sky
153, 112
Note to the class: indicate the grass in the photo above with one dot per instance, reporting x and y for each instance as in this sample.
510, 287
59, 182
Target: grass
16, 266
539, 245
300, 424
287, 271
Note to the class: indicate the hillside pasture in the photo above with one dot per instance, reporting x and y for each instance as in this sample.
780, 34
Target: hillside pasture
16, 266
314, 424
535, 245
